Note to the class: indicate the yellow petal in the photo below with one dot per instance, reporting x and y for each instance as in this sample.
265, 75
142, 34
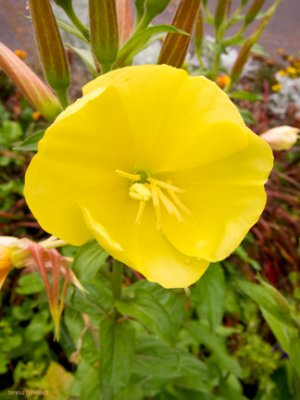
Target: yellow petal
3, 274
225, 198
141, 246
177, 120
148, 93
78, 154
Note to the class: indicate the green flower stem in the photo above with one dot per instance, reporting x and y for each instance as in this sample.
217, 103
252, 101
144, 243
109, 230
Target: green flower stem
76, 21
63, 97
117, 279
219, 39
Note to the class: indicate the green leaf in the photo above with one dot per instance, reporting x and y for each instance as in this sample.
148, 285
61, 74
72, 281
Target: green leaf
294, 353
97, 300
139, 40
86, 385
30, 143
156, 363
10, 132
150, 312
56, 382
242, 95
117, 352
65, 26
86, 56
247, 116
204, 336
30, 284
267, 299
283, 333
88, 261
208, 296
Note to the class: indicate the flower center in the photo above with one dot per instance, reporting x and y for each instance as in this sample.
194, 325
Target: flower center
163, 194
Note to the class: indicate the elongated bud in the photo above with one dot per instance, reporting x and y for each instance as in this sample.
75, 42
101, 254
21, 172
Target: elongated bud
246, 48
254, 9
50, 46
245, 52
220, 12
199, 32
125, 19
175, 46
104, 32
31, 86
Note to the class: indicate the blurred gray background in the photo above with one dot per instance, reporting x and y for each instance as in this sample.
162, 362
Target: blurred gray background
283, 30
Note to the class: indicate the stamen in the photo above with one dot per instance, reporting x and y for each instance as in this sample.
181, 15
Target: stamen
140, 213
156, 205
165, 185
178, 202
133, 177
169, 205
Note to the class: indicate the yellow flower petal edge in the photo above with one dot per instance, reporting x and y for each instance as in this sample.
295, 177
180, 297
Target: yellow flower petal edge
157, 166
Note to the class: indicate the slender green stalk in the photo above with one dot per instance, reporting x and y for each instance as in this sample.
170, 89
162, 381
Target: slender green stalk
62, 95
76, 21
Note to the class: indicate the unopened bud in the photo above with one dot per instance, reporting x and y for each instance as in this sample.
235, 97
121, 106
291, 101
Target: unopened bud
175, 46
253, 11
50, 46
281, 138
104, 32
125, 18
31, 86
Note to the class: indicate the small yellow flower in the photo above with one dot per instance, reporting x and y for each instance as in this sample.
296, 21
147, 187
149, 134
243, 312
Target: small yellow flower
222, 81
276, 87
291, 71
282, 72
156, 165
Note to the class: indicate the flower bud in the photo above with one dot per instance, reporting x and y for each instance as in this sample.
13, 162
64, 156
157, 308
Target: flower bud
253, 11
124, 14
281, 138
51, 49
31, 86
104, 32
175, 46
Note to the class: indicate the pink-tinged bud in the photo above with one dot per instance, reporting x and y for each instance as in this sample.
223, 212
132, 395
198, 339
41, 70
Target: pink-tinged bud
6, 264
104, 32
31, 86
281, 138
175, 46
125, 19
50, 46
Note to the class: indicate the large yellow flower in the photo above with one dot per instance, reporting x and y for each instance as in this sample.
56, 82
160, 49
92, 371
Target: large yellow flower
156, 165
